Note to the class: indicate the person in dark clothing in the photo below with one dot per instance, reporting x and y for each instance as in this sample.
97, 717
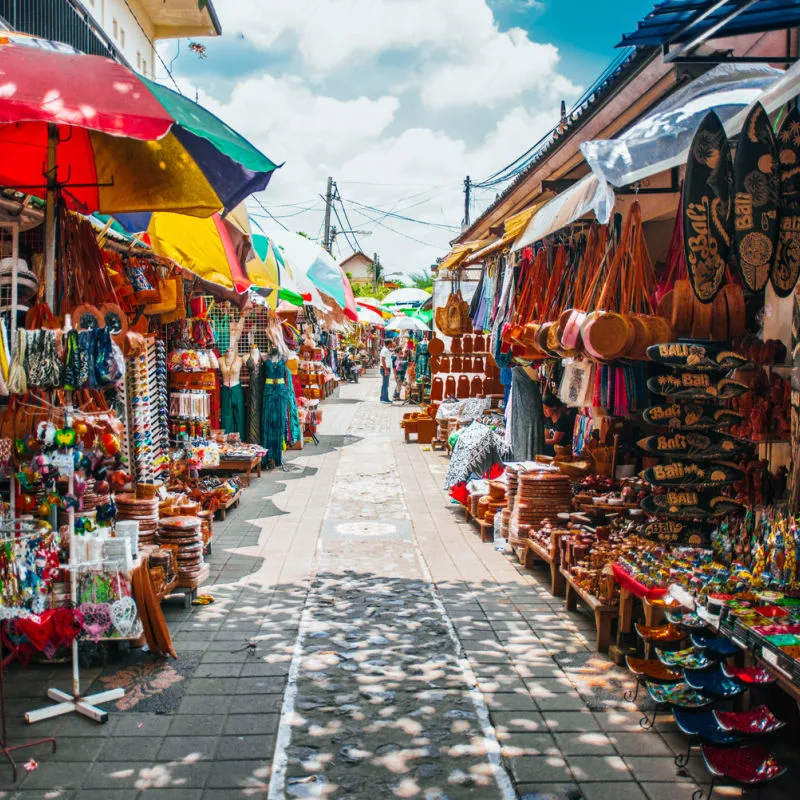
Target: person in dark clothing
562, 423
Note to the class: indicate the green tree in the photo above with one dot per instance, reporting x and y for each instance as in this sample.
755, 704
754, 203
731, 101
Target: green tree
422, 280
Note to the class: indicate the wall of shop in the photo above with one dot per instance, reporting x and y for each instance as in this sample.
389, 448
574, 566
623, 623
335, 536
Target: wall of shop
129, 28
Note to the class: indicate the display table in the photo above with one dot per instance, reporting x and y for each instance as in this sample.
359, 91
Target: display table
603, 615
244, 466
551, 557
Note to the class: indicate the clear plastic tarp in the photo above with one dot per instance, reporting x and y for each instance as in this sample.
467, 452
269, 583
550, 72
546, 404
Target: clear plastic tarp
661, 140
584, 197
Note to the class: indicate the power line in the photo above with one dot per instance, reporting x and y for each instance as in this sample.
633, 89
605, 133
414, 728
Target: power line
398, 233
152, 45
440, 225
347, 219
516, 167
343, 229
269, 213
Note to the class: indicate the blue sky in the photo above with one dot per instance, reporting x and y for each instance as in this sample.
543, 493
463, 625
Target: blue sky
398, 100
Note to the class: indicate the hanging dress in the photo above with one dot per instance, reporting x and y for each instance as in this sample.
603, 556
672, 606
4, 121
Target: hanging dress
255, 400
273, 416
293, 429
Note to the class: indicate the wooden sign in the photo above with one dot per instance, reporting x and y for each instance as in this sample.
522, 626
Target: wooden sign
689, 504
695, 446
673, 531
786, 266
707, 218
695, 357
695, 386
755, 199
698, 476
691, 416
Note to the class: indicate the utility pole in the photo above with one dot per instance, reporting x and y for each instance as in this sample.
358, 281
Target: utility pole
467, 189
328, 244
376, 271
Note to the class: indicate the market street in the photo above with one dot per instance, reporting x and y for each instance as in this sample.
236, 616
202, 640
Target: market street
374, 614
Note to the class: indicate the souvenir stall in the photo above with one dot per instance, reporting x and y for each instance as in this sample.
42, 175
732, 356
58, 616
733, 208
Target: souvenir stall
79, 456
667, 506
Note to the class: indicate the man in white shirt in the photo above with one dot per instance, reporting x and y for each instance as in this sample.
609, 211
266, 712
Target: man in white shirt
386, 370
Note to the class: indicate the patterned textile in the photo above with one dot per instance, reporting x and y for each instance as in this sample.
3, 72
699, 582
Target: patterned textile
478, 448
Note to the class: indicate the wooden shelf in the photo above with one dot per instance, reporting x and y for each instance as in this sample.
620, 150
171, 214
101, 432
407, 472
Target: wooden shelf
603, 615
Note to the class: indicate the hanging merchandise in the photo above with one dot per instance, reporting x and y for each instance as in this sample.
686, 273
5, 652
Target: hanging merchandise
453, 319
707, 217
786, 266
755, 200
621, 323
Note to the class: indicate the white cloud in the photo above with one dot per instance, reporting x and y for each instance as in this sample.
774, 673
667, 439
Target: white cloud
505, 66
463, 58
384, 150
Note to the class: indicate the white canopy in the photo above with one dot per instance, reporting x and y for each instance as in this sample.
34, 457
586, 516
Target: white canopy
406, 297
406, 324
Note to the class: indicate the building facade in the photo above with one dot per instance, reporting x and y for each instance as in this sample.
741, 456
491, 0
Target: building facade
125, 30
360, 268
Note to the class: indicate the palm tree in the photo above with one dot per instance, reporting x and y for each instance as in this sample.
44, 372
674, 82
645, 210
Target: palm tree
422, 280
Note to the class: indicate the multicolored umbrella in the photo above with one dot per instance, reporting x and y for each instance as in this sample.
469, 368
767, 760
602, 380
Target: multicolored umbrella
307, 257
372, 304
368, 317
122, 143
295, 288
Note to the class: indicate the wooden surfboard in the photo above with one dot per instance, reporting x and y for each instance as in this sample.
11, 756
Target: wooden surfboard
696, 476
786, 266
695, 446
707, 217
695, 386
691, 416
695, 357
689, 504
755, 199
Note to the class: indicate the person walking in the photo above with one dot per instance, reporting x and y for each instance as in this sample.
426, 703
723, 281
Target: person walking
400, 367
386, 370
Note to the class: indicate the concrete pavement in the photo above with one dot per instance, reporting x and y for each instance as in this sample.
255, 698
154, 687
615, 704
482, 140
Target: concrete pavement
365, 643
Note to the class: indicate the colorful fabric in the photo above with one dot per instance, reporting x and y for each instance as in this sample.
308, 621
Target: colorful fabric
232, 415
274, 409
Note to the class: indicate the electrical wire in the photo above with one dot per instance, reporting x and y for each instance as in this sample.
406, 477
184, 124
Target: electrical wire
347, 219
516, 167
152, 45
398, 233
345, 232
269, 213
440, 225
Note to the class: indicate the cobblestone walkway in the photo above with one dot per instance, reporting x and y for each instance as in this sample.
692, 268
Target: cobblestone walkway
364, 643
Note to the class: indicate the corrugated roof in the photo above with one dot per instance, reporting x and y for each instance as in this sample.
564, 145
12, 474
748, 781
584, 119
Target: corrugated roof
677, 21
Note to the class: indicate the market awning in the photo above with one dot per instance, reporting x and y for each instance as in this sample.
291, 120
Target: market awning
458, 254
661, 140
512, 228
580, 199
694, 21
